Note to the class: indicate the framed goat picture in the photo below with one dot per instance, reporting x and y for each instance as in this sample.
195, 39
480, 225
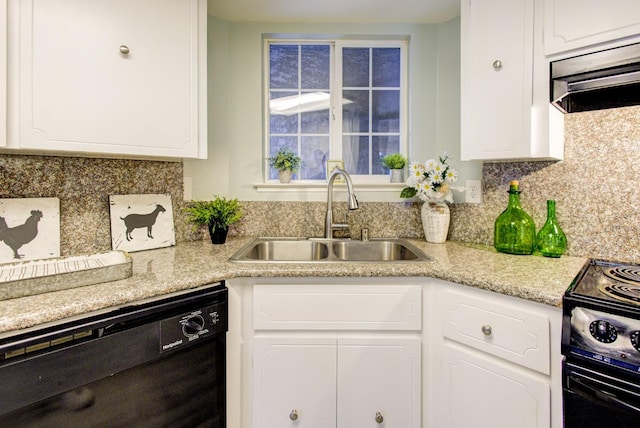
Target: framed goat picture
141, 222
29, 229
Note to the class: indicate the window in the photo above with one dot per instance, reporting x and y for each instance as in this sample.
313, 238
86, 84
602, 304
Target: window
336, 100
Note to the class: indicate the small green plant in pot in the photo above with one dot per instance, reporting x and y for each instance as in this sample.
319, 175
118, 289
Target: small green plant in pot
217, 215
395, 163
286, 162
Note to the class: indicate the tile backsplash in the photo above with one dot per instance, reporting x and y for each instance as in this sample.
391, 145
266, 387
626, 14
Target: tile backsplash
596, 188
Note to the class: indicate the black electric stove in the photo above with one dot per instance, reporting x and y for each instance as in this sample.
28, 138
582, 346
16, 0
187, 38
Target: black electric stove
601, 346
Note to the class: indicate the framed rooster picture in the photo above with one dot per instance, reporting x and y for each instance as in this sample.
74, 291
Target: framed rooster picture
29, 229
141, 222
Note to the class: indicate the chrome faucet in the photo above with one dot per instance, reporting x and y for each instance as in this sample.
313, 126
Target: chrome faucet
329, 225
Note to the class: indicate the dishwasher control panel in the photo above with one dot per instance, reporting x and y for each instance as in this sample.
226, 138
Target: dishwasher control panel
191, 326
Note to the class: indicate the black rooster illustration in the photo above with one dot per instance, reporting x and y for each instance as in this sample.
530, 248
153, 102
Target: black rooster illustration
16, 237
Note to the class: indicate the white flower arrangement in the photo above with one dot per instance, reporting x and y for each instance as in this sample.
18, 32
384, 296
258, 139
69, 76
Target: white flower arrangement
431, 181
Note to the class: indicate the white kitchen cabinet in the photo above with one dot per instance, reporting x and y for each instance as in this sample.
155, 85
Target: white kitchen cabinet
497, 360
505, 112
344, 382
332, 352
481, 392
111, 77
3, 73
576, 24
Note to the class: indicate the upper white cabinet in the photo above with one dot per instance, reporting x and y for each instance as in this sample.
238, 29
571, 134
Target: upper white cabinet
110, 77
3, 73
575, 24
505, 112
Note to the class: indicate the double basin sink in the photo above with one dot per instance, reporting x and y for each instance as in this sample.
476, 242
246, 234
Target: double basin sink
284, 250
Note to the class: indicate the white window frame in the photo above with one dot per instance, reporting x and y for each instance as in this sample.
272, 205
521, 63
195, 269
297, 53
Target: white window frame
335, 131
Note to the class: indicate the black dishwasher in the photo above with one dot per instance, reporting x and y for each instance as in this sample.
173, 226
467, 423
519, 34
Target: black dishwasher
155, 363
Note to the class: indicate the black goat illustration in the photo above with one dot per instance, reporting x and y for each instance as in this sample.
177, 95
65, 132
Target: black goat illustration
135, 221
16, 237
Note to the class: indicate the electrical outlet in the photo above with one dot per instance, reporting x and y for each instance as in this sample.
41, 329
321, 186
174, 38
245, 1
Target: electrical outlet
473, 194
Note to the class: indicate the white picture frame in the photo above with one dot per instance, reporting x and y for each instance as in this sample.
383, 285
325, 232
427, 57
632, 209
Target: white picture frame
141, 222
29, 229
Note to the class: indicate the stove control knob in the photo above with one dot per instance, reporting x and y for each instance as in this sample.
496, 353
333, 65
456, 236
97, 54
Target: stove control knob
603, 331
193, 325
635, 340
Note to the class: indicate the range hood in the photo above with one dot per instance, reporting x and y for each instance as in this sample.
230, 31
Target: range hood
596, 81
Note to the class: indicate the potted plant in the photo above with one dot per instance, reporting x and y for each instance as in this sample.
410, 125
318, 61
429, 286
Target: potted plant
286, 162
395, 163
217, 215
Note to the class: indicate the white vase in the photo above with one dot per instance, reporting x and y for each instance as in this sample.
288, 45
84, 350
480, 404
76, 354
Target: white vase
435, 221
284, 176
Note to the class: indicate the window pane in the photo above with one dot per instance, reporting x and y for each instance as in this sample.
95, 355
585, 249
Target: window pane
386, 111
283, 71
355, 111
380, 147
315, 153
386, 67
355, 153
355, 67
315, 67
281, 121
275, 144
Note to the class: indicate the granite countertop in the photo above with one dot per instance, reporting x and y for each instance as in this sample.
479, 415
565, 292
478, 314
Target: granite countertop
192, 264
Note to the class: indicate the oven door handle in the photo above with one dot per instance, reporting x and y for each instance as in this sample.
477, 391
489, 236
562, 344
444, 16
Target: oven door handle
585, 389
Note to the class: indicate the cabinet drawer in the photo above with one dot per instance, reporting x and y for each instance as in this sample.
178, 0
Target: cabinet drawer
504, 330
337, 307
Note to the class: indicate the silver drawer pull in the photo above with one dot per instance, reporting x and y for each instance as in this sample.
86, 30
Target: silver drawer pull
293, 415
487, 330
497, 64
379, 418
124, 49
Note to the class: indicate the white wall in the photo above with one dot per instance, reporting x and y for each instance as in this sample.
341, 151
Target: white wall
235, 104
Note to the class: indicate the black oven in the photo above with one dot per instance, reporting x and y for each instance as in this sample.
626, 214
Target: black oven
155, 363
601, 347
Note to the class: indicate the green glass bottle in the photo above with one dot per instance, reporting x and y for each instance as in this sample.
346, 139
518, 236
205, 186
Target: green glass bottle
514, 231
551, 240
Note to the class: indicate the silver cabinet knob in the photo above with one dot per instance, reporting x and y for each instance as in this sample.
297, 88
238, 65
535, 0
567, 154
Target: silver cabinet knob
487, 330
293, 415
124, 49
497, 64
379, 418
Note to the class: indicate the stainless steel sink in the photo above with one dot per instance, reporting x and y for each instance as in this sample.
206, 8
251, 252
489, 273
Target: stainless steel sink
375, 251
319, 250
283, 251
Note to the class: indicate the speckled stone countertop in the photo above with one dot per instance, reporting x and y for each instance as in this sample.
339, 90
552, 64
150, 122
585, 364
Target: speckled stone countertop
190, 265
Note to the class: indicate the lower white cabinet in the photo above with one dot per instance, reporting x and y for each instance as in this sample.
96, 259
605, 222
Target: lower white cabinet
496, 360
344, 382
481, 392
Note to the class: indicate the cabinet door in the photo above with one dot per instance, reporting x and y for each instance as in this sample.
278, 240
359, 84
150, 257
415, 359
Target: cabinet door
112, 76
294, 383
379, 383
574, 24
3, 72
482, 392
497, 69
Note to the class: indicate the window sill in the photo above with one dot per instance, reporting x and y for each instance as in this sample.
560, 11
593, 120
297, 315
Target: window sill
316, 186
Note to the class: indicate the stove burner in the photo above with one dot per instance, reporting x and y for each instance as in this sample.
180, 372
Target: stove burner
625, 292
628, 274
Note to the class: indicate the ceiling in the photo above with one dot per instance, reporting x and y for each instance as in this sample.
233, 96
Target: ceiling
336, 11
